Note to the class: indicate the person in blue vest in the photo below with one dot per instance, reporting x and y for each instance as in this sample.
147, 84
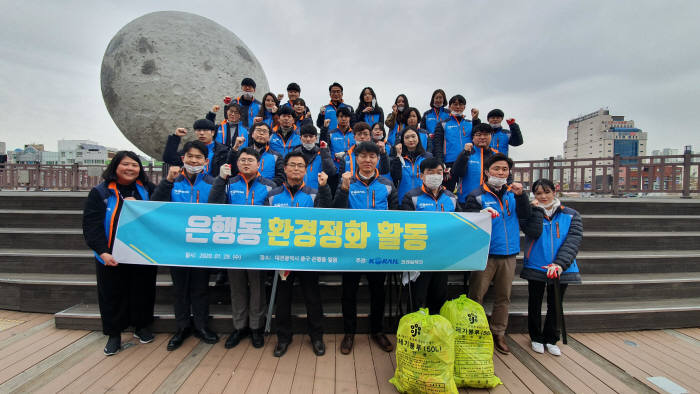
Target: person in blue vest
349, 158
328, 111
503, 138
268, 110
430, 287
405, 165
302, 115
205, 131
469, 166
413, 120
365, 189
249, 105
548, 255
285, 136
378, 132
368, 110
126, 292
510, 211
295, 193
270, 161
230, 129
341, 138
396, 121
318, 158
189, 184
450, 136
437, 112
248, 299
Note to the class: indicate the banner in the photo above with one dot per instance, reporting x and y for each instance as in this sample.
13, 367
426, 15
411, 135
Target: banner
298, 239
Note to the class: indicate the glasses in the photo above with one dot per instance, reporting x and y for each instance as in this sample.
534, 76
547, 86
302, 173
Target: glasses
296, 165
247, 161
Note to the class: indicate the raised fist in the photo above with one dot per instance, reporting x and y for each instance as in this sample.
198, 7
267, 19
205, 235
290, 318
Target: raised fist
173, 172
227, 100
399, 149
326, 123
238, 143
225, 171
280, 96
323, 110
367, 109
510, 121
382, 146
273, 109
181, 132
468, 147
323, 145
257, 119
322, 178
394, 109
340, 155
494, 213
345, 180
215, 108
516, 188
475, 113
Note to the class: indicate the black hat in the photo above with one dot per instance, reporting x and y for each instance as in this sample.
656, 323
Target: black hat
285, 110
308, 129
248, 82
345, 111
495, 113
204, 124
482, 128
294, 87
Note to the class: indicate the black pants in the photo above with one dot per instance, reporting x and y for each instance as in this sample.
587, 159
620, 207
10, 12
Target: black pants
191, 296
351, 281
550, 332
126, 294
312, 299
430, 291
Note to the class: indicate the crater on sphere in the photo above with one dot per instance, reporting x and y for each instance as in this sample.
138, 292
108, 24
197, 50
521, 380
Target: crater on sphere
148, 67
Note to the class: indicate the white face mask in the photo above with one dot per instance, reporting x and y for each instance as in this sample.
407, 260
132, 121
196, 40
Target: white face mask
497, 182
308, 146
455, 113
433, 181
248, 95
400, 108
495, 126
193, 169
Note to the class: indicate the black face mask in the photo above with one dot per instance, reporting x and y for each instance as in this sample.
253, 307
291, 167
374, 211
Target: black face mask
259, 145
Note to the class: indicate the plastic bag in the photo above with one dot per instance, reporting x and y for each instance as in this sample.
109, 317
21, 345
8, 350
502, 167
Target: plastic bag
424, 354
473, 343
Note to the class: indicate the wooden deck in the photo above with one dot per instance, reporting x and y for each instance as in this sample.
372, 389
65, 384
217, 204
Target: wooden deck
37, 357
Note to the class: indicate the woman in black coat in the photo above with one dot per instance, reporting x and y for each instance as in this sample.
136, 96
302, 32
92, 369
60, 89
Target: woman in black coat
126, 292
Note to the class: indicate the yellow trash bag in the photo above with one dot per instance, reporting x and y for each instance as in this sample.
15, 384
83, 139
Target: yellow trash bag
424, 354
473, 343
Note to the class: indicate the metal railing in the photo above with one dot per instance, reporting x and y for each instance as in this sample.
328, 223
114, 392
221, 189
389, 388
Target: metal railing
617, 176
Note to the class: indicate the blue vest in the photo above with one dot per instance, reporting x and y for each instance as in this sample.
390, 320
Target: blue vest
240, 194
432, 118
331, 114
424, 201
113, 202
223, 133
394, 134
505, 229
372, 196
184, 191
252, 110
500, 140
370, 118
267, 165
410, 175
268, 118
351, 160
210, 156
282, 197
543, 250
312, 171
457, 133
341, 142
278, 145
474, 176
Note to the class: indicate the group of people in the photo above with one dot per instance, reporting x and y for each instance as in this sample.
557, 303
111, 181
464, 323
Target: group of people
267, 153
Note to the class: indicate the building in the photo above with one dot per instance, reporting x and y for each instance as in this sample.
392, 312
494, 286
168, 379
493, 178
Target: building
82, 152
600, 134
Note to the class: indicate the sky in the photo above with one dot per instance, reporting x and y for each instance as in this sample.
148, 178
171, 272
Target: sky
543, 62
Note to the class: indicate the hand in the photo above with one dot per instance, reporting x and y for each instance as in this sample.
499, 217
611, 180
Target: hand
173, 172
394, 109
447, 174
398, 148
516, 188
340, 155
181, 132
468, 147
274, 109
225, 171
215, 108
382, 146
367, 109
109, 260
323, 110
280, 96
238, 143
130, 199
326, 123
323, 145
510, 121
227, 100
345, 180
257, 119
494, 213
535, 203
475, 113
322, 178
553, 270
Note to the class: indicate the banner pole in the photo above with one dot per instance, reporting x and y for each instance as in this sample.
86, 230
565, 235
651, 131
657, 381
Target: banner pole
273, 294
560, 308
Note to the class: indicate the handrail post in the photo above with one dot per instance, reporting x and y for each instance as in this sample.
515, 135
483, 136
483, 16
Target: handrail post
76, 177
616, 176
686, 175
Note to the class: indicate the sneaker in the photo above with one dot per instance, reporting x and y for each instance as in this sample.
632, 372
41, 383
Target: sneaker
144, 335
553, 350
537, 347
114, 345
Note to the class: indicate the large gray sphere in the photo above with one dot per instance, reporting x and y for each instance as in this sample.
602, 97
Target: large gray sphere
166, 69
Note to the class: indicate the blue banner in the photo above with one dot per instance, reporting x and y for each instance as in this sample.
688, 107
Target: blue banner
298, 239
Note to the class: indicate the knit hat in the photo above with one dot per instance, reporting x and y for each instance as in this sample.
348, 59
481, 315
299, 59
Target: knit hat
285, 110
248, 82
308, 129
495, 113
204, 124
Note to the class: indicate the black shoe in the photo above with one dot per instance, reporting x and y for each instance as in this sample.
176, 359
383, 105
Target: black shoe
318, 346
178, 339
281, 349
221, 278
144, 335
257, 336
206, 335
114, 345
235, 337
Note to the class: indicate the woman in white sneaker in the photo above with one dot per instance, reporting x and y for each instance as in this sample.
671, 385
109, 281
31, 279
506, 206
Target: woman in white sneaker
552, 253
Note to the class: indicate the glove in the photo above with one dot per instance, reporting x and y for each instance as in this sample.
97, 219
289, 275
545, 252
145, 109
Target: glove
225, 171
227, 100
494, 213
340, 155
553, 270
510, 121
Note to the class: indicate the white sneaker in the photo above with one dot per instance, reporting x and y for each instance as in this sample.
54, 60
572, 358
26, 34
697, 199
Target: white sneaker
538, 347
553, 350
